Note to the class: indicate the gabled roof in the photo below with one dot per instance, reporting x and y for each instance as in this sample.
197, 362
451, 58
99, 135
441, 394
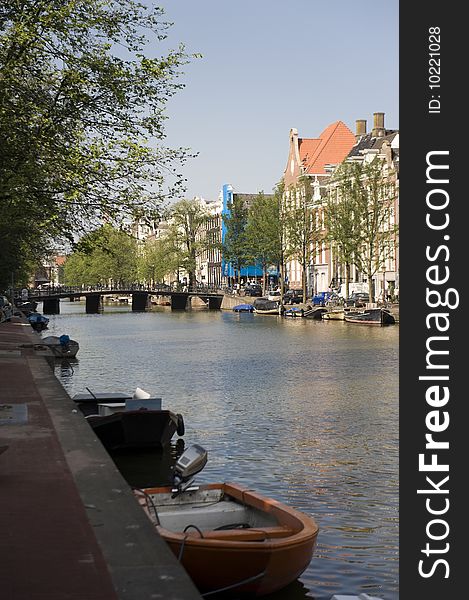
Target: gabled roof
332, 146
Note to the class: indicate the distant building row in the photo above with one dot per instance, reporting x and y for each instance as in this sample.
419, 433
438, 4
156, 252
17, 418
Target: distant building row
315, 159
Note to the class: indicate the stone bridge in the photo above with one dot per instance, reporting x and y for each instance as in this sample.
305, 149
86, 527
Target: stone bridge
180, 298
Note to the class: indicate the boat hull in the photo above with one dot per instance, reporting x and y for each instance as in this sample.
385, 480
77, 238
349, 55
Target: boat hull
334, 315
373, 316
134, 428
315, 313
255, 561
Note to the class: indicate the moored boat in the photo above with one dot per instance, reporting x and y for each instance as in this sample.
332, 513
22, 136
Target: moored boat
126, 422
370, 316
264, 306
244, 308
334, 314
37, 321
229, 537
61, 346
315, 312
294, 311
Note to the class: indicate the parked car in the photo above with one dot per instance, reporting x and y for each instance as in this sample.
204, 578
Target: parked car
321, 298
274, 295
293, 297
357, 299
253, 289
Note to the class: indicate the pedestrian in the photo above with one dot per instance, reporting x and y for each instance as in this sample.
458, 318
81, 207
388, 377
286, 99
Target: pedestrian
24, 294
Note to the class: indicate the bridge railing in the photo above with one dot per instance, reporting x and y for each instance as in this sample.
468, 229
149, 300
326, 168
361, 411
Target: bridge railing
120, 288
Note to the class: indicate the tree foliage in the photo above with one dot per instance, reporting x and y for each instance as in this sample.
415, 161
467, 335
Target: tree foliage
302, 230
157, 259
235, 245
81, 119
103, 255
263, 235
185, 238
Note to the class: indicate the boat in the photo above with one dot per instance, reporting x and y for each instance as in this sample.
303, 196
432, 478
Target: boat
244, 308
294, 311
26, 307
315, 312
125, 422
334, 314
370, 316
264, 306
37, 321
61, 346
226, 536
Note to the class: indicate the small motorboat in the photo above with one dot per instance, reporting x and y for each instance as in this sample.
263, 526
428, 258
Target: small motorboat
228, 537
61, 346
125, 422
294, 311
244, 308
370, 316
37, 321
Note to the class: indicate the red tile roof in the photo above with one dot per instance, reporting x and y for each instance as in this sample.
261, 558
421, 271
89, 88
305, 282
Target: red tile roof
332, 146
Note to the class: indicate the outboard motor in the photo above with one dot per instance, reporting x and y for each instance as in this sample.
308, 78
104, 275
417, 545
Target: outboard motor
191, 462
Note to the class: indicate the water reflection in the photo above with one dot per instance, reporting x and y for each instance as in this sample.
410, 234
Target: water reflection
150, 467
304, 411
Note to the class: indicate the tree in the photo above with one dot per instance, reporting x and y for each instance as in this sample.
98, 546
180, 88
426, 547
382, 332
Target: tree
186, 235
156, 260
235, 249
263, 237
301, 227
103, 255
363, 228
279, 195
81, 121
343, 227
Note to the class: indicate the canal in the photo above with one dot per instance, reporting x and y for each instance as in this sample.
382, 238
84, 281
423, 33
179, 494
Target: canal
302, 411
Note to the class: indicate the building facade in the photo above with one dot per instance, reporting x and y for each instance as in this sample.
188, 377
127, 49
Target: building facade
382, 144
313, 160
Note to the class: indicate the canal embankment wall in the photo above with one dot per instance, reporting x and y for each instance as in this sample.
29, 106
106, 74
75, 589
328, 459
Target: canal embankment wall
71, 527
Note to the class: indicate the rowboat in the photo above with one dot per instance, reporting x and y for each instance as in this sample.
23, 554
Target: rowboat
229, 537
125, 422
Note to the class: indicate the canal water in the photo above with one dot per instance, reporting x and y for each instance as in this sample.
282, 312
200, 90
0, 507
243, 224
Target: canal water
303, 411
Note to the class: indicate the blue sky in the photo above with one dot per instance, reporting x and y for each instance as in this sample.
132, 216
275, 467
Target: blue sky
267, 66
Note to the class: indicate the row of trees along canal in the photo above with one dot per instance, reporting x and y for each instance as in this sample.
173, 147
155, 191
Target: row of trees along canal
270, 230
83, 92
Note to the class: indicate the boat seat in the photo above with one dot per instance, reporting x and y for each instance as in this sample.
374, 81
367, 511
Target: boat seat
251, 534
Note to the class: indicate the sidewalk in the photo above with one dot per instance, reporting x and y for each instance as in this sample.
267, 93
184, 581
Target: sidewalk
71, 528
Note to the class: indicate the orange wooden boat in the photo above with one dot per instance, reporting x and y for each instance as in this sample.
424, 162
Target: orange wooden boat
230, 538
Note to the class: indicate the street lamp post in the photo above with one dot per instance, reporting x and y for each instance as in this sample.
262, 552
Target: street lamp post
384, 284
